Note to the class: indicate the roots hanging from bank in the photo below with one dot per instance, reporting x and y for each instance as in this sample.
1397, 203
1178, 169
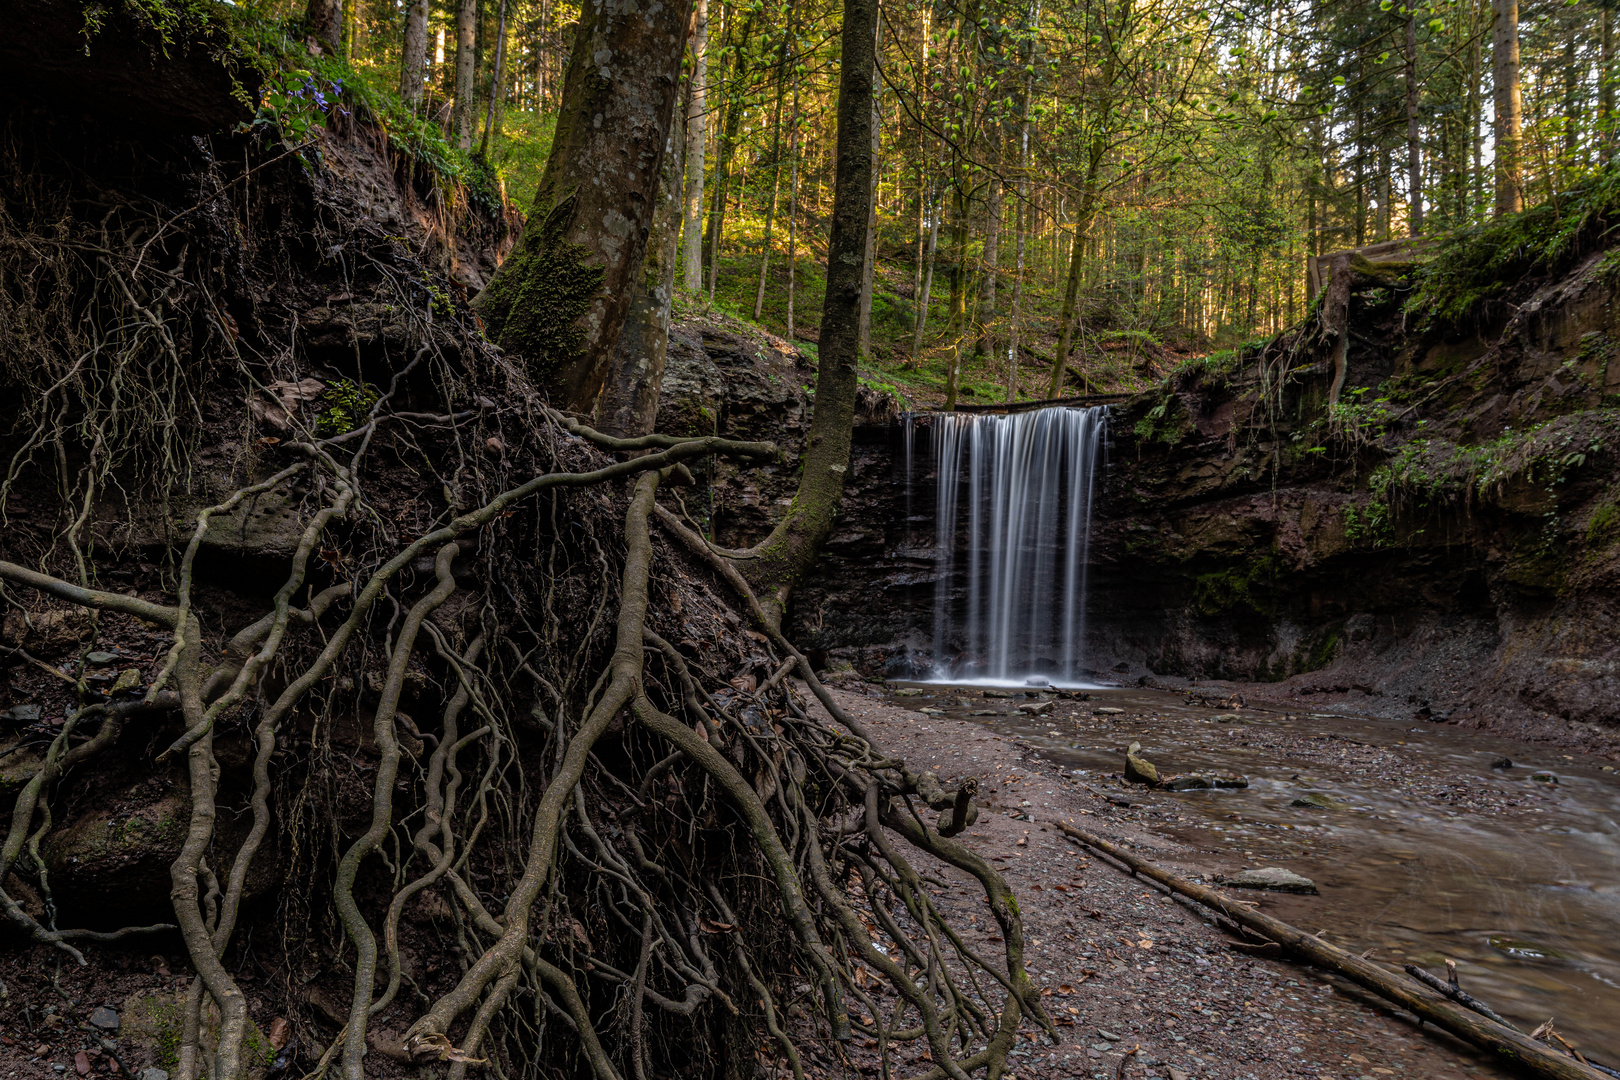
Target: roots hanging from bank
624, 820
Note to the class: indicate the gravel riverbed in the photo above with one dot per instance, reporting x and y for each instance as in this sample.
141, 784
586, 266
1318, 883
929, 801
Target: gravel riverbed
1141, 985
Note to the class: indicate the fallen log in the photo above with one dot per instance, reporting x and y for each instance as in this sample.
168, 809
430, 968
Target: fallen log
1507, 1044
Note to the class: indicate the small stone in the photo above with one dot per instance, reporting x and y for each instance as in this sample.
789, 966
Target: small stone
1139, 770
152, 1074
984, 712
1227, 718
1107, 710
23, 713
1273, 878
1231, 781
81, 1063
1315, 800
1002, 693
1106, 1035
1037, 680
1119, 800
908, 691
128, 682
1188, 782
101, 659
1606, 768
1544, 777
1035, 708
1502, 763
932, 712
104, 1018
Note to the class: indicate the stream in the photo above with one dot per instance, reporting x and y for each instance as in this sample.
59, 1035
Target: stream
1421, 849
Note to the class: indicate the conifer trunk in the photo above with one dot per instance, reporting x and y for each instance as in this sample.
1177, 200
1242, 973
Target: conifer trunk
1414, 150
413, 53
1505, 81
560, 298
466, 68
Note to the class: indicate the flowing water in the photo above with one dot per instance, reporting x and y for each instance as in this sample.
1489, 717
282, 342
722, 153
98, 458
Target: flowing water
1426, 851
1013, 517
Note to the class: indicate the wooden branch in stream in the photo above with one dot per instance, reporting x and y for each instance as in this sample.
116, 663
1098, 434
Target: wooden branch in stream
1505, 1042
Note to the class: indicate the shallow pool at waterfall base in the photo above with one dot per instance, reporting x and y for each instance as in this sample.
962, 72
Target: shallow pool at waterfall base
1018, 682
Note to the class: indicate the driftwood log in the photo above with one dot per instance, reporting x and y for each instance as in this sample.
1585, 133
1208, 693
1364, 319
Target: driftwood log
1506, 1043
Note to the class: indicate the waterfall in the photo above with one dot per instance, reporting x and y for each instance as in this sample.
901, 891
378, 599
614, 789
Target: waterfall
1013, 538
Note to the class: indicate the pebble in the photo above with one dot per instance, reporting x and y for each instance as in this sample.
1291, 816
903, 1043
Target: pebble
101, 658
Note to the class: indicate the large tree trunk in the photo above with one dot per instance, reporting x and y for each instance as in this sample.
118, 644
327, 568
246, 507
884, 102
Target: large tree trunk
958, 327
466, 68
697, 136
1505, 80
630, 401
778, 563
793, 204
413, 55
324, 18
559, 299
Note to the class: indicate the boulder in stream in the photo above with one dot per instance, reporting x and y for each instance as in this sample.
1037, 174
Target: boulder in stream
1035, 708
1138, 769
1272, 878
1188, 782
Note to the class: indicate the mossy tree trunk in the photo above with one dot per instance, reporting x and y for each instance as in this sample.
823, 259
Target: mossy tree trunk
560, 298
324, 20
777, 564
630, 401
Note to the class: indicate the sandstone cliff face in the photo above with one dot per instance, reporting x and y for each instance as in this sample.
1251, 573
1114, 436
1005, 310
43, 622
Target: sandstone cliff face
1445, 544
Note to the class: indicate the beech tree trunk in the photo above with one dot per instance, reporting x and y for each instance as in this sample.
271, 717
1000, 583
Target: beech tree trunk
324, 18
697, 138
413, 54
466, 67
560, 298
869, 260
630, 401
1509, 127
777, 564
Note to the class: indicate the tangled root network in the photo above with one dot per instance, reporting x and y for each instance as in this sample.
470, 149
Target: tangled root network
485, 753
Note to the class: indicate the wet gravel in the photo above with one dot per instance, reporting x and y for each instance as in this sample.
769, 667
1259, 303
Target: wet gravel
1131, 975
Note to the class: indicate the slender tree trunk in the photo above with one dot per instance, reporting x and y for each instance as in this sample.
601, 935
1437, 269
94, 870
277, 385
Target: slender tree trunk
630, 400
928, 280
324, 20
776, 167
793, 205
1606, 78
466, 68
992, 253
697, 136
560, 298
1414, 150
787, 554
869, 260
959, 288
413, 53
1509, 109
497, 84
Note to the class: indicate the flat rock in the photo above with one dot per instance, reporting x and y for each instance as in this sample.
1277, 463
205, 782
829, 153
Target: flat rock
1227, 718
26, 713
1315, 800
1274, 878
101, 658
932, 712
104, 1018
1188, 782
1231, 781
1035, 708
1003, 693
1037, 680
907, 691
1107, 710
